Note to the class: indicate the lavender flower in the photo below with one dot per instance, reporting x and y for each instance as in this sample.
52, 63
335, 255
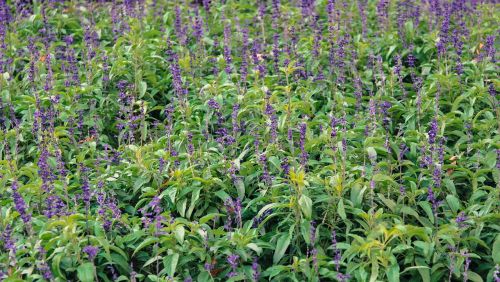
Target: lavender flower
175, 70
213, 104
233, 262
234, 118
43, 267
8, 242
91, 251
466, 265
312, 233
461, 219
266, 177
433, 131
244, 55
227, 48
496, 273
198, 27
285, 166
190, 146
255, 270
208, 266
20, 204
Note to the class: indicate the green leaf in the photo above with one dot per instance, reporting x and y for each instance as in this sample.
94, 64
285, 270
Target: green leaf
209, 217
453, 202
240, 187
372, 154
374, 272
474, 277
495, 251
393, 273
341, 209
171, 263
85, 272
179, 233
306, 205
145, 243
142, 88
425, 273
281, 247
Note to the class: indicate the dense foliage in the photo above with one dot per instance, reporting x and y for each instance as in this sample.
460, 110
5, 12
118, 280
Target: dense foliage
218, 140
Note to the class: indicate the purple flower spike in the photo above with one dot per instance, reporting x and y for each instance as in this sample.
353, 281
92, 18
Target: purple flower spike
91, 251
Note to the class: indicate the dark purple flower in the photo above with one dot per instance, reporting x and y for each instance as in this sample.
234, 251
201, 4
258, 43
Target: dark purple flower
466, 265
44, 268
198, 26
208, 266
496, 273
433, 131
285, 166
175, 70
403, 149
258, 219
227, 48
91, 251
431, 197
180, 31
266, 177
20, 204
244, 55
234, 118
213, 104
233, 262
312, 233
461, 219
343, 277
7, 240
255, 270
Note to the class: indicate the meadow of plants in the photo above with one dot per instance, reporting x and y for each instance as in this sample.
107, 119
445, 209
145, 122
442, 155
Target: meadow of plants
263, 140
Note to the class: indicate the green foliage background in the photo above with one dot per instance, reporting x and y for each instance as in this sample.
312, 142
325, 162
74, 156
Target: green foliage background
382, 233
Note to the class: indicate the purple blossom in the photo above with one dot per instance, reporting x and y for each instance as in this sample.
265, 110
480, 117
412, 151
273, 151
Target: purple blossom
44, 268
20, 204
403, 149
255, 270
233, 210
233, 262
461, 219
198, 26
244, 55
258, 219
91, 251
227, 48
213, 104
433, 131
175, 70
190, 146
285, 166
496, 273
312, 233
7, 241
266, 177
180, 31
466, 265
208, 266
234, 118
